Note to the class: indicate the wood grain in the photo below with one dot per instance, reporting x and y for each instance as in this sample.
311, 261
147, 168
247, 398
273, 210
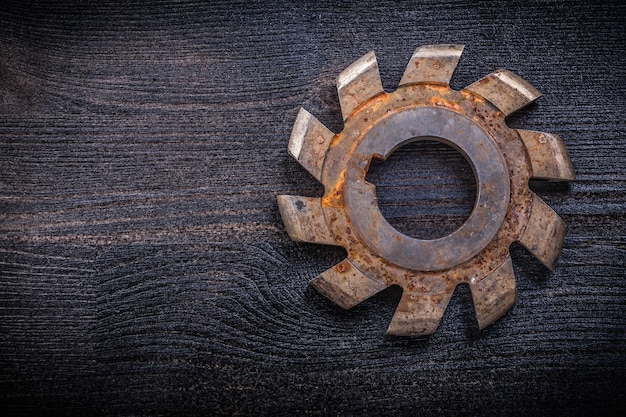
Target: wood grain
144, 268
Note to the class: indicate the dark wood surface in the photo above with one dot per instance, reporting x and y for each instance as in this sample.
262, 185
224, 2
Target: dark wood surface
144, 267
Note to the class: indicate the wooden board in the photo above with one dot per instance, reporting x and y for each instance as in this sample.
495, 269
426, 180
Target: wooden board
144, 267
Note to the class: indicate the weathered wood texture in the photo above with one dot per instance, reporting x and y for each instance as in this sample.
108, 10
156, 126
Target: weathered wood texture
144, 268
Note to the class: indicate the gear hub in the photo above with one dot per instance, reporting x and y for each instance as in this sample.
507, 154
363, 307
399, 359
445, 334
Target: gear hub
424, 107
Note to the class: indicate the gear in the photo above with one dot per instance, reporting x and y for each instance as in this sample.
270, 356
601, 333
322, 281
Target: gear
472, 121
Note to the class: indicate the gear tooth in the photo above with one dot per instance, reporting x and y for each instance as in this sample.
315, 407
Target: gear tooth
345, 285
309, 142
418, 315
548, 156
304, 219
432, 64
358, 83
505, 90
494, 294
544, 233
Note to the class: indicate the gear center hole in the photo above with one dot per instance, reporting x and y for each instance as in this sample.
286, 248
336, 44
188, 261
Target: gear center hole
425, 189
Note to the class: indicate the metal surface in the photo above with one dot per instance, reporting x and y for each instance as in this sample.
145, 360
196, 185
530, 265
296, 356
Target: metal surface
424, 107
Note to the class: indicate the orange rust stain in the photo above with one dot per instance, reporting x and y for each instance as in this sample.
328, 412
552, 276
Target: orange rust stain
380, 100
374, 103
442, 88
341, 267
437, 298
438, 101
334, 198
473, 97
335, 140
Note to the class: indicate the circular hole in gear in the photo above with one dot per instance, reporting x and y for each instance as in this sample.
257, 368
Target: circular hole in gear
425, 189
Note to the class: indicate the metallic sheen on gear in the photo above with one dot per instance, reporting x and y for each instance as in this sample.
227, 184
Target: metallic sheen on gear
424, 107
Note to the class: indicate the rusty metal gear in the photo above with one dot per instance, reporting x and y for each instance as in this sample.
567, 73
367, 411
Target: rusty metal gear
503, 160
